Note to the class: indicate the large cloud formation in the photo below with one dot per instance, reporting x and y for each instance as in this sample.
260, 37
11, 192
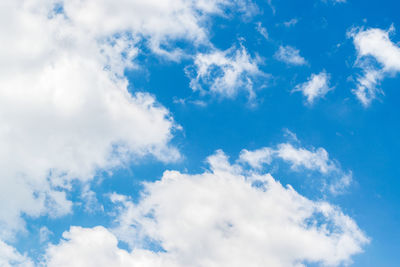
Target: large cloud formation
65, 109
226, 216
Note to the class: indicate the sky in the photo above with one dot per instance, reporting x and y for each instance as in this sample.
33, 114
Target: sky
199, 133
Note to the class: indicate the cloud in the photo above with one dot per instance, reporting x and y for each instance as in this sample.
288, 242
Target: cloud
377, 56
158, 22
313, 160
44, 234
316, 87
225, 73
66, 112
334, 1
10, 257
257, 158
94, 247
291, 22
290, 55
263, 31
301, 159
221, 217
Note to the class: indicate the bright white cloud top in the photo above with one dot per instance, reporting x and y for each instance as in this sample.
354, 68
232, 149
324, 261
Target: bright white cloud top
222, 217
374, 44
316, 87
66, 111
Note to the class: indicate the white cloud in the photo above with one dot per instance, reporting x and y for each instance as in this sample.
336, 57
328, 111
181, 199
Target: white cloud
257, 158
44, 234
217, 218
316, 87
225, 72
374, 44
66, 112
10, 257
335, 1
87, 247
316, 159
157, 21
313, 160
301, 159
263, 31
290, 55
291, 22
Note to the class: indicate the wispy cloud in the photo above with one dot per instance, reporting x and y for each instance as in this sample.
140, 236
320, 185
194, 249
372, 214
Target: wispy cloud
301, 159
263, 31
225, 73
290, 55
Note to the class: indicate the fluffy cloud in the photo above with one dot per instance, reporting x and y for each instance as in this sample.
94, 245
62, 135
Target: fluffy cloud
87, 247
300, 159
378, 57
66, 112
225, 72
221, 217
316, 87
257, 158
313, 160
158, 22
290, 55
10, 257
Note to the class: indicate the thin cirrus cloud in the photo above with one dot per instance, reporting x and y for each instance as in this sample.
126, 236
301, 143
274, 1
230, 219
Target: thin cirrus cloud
262, 30
317, 86
377, 56
221, 217
66, 110
290, 55
291, 22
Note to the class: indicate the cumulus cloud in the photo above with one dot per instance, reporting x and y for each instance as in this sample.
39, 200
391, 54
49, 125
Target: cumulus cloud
316, 87
300, 159
221, 217
158, 21
225, 73
66, 112
9, 256
290, 55
378, 57
87, 247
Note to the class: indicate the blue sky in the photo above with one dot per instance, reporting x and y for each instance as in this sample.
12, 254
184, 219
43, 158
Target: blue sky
201, 133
